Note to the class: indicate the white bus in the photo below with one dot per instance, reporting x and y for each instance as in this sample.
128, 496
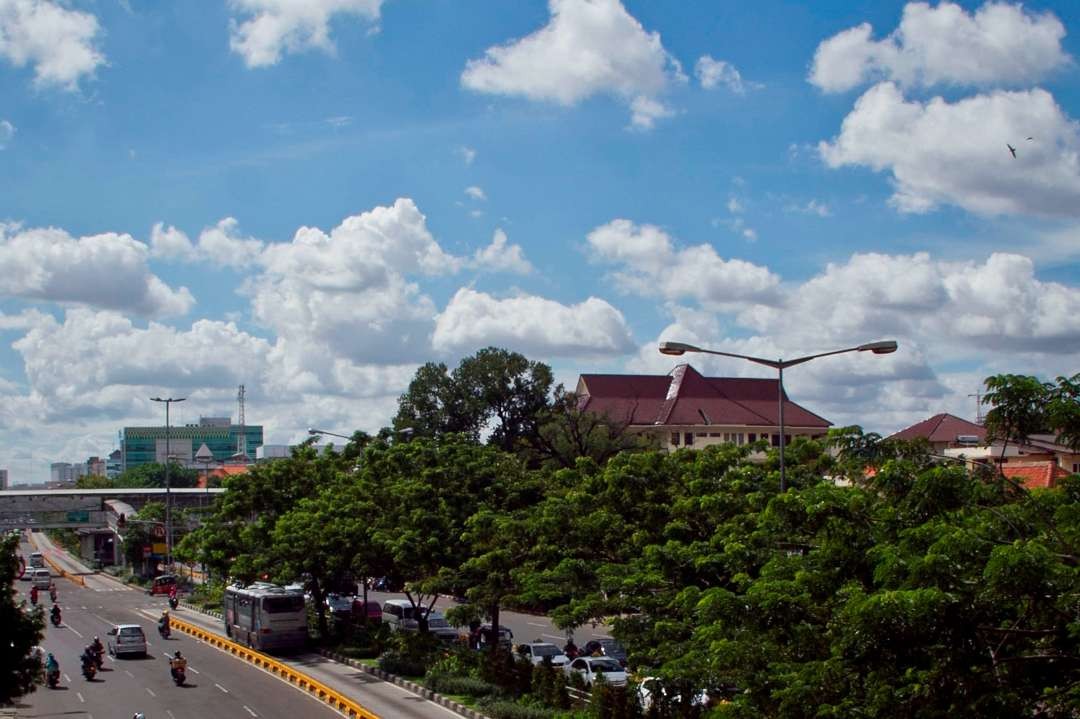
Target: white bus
266, 616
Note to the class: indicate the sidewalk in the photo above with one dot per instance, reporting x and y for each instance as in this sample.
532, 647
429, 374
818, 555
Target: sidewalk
72, 567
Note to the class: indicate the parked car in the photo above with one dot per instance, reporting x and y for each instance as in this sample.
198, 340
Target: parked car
590, 668
162, 585
506, 637
441, 628
340, 605
606, 647
537, 651
127, 639
653, 689
373, 610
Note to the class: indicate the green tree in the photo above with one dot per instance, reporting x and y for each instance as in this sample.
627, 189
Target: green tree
153, 475
1018, 408
1064, 410
23, 629
566, 433
495, 390
93, 481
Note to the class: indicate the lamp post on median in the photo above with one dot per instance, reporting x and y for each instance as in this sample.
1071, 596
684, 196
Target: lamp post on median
168, 503
317, 432
878, 348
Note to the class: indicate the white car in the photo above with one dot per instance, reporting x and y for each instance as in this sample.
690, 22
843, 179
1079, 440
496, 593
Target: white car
589, 668
652, 689
339, 604
537, 652
127, 639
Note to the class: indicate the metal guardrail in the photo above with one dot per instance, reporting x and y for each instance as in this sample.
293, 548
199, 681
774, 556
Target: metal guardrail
317, 689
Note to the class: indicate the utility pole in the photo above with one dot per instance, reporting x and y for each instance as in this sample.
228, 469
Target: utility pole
168, 499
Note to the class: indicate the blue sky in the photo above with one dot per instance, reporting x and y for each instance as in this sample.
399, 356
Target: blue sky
313, 198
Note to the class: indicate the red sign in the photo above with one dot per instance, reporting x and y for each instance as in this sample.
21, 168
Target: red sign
146, 551
158, 531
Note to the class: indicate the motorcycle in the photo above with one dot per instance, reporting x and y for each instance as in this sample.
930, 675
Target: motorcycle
179, 676
52, 594
163, 629
55, 616
33, 596
52, 678
99, 658
174, 602
89, 669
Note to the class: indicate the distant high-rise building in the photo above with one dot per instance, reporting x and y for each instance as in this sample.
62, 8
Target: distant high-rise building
145, 445
115, 464
95, 467
3, 479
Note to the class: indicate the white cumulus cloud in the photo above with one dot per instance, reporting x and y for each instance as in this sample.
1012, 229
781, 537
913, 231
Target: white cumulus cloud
58, 42
532, 325
955, 152
262, 30
588, 47
1000, 43
170, 243
712, 73
477, 193
107, 271
500, 256
650, 264
222, 244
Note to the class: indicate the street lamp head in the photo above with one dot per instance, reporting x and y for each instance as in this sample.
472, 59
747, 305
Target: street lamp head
879, 348
313, 432
677, 348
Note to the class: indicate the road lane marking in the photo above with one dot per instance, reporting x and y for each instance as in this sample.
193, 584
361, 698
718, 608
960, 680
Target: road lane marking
129, 674
150, 692
169, 712
67, 679
551, 636
74, 630
535, 624
193, 669
79, 694
83, 608
249, 711
221, 688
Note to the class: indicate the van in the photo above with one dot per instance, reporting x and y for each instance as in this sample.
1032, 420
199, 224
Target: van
41, 579
398, 615
37, 559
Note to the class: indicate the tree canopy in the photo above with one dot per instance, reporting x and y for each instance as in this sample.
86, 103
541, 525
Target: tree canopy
23, 629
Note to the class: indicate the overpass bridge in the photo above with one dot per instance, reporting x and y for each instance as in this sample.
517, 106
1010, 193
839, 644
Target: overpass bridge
87, 508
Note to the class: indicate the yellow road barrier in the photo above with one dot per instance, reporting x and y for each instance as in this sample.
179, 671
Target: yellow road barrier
317, 689
63, 573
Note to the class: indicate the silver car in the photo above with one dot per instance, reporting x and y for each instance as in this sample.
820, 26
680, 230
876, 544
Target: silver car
127, 639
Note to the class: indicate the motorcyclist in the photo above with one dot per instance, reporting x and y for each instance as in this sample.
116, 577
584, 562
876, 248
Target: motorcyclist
33, 595
56, 613
174, 599
99, 651
52, 593
163, 623
177, 664
570, 649
88, 658
52, 667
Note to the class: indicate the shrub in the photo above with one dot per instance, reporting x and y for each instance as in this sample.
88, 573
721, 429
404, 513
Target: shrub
503, 709
396, 662
456, 684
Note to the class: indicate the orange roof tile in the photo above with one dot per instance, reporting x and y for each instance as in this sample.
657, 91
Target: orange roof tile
1034, 474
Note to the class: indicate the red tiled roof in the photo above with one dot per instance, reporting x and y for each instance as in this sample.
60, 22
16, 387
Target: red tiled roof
942, 428
685, 397
1034, 474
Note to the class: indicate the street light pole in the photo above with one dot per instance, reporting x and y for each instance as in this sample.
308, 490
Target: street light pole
168, 498
317, 432
878, 348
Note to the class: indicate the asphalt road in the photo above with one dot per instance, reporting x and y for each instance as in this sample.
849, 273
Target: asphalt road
218, 685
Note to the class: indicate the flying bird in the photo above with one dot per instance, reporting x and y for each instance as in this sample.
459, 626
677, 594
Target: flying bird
1011, 149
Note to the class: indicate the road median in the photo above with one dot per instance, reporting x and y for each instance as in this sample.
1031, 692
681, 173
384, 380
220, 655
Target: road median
313, 687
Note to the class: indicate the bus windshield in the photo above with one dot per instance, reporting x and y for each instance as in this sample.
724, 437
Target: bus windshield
280, 605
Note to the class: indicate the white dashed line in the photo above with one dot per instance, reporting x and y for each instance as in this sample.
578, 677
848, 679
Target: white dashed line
246, 707
83, 608
67, 679
129, 674
169, 712
74, 630
535, 624
221, 688
552, 636
79, 694
193, 669
150, 692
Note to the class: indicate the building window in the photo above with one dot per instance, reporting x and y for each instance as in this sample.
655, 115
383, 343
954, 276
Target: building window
675, 438
753, 437
741, 436
775, 440
1076, 467
688, 438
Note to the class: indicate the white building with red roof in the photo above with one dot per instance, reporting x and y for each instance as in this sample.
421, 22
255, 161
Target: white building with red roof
686, 409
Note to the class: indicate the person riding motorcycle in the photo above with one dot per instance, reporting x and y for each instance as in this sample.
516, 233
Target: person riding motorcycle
52, 669
174, 598
33, 595
52, 593
56, 614
88, 659
163, 623
177, 664
99, 651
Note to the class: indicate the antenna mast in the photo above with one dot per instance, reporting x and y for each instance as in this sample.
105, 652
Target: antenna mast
241, 439
978, 407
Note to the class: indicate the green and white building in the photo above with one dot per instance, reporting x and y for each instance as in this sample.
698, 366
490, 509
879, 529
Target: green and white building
144, 445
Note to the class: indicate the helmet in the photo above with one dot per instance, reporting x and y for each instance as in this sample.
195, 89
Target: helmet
178, 655
139, 715
166, 611
50, 655
96, 639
